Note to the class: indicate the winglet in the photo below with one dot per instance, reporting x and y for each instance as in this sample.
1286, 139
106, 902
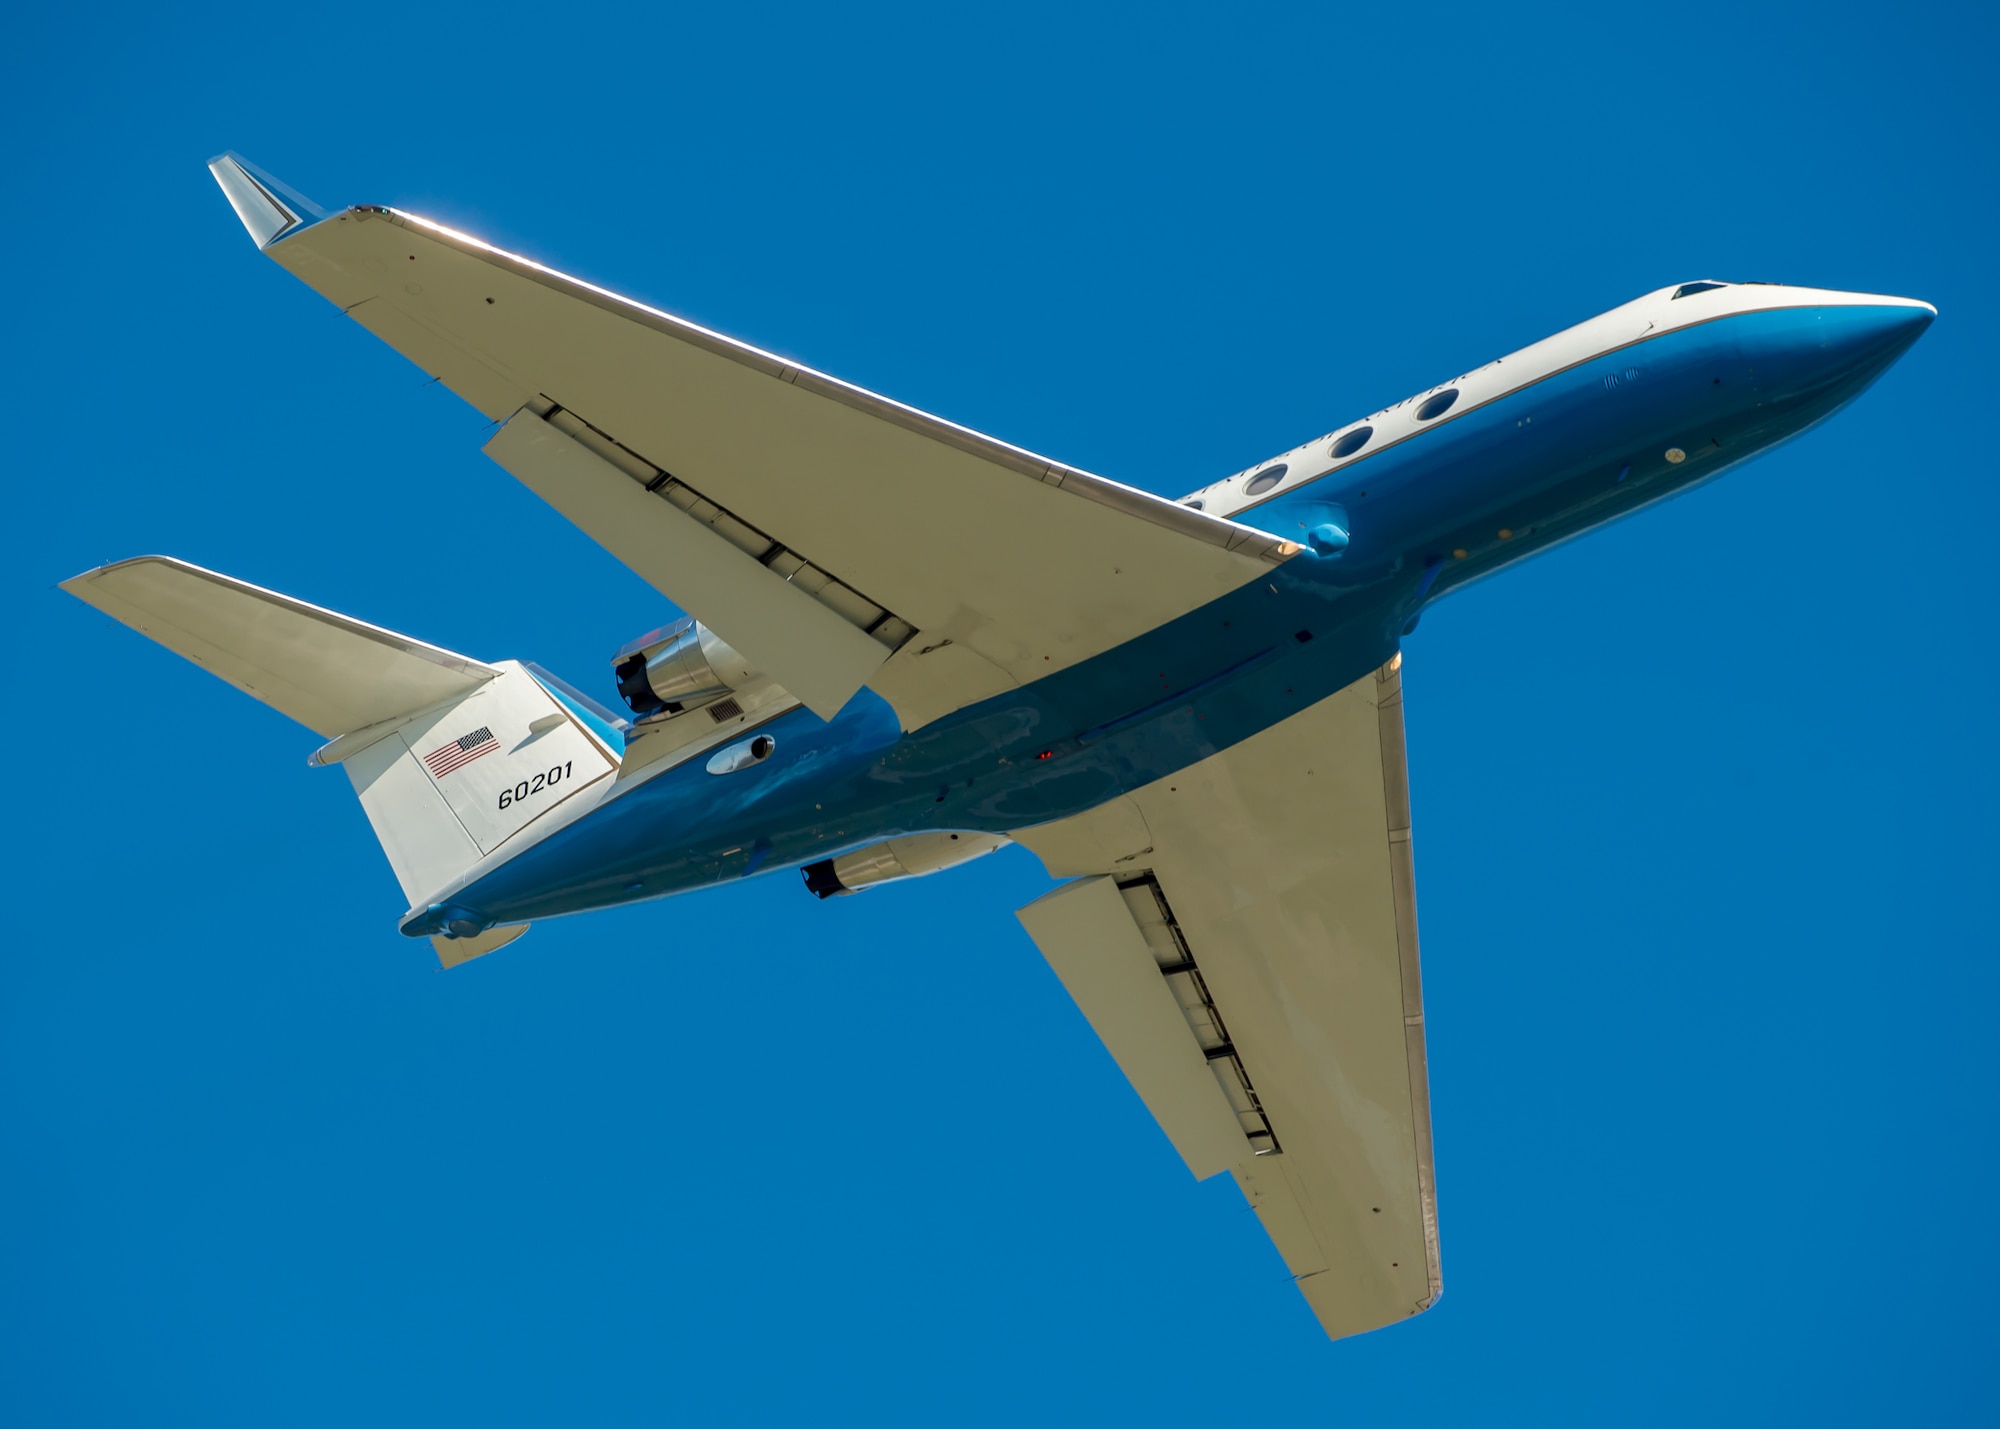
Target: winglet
269, 209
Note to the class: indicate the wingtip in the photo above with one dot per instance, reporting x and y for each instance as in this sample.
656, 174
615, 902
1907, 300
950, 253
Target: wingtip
77, 583
268, 207
82, 578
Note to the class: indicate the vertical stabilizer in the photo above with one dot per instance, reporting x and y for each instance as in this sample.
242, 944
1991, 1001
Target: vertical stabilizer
461, 781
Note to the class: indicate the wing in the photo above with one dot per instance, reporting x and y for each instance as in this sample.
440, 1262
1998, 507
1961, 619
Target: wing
1244, 941
834, 536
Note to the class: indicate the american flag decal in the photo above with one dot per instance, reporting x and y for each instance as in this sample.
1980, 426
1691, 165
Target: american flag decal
460, 752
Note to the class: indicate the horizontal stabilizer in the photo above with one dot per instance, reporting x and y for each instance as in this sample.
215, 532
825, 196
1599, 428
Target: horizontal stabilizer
453, 759
331, 673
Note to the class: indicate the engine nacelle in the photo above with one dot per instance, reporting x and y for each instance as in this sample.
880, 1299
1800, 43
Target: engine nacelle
912, 856
681, 667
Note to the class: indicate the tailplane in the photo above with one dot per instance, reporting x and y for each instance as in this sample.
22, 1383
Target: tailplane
454, 759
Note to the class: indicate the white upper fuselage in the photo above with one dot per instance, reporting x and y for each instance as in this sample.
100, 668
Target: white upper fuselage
1645, 317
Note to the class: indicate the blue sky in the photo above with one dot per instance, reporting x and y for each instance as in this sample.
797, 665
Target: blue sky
1703, 803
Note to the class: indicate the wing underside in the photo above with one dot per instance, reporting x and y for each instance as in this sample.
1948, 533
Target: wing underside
1243, 938
942, 566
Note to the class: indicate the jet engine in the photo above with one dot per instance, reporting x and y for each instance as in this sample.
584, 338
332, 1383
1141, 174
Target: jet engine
681, 667
912, 856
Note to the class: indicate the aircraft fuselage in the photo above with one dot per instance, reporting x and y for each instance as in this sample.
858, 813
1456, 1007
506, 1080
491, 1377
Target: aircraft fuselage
1588, 426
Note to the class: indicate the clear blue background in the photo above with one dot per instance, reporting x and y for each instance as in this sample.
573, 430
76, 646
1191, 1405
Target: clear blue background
1704, 803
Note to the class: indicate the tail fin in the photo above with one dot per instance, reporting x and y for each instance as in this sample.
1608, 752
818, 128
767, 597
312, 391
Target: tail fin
452, 757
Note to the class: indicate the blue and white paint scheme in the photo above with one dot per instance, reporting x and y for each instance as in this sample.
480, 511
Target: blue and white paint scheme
1189, 710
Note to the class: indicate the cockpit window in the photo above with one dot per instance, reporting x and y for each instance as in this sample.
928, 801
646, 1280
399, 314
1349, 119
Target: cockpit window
1686, 288
1353, 442
1264, 480
1194, 503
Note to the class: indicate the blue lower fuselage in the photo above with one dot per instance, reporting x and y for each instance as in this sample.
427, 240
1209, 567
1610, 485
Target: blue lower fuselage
1488, 486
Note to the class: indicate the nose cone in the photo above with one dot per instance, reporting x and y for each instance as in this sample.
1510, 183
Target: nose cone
1901, 323
1862, 340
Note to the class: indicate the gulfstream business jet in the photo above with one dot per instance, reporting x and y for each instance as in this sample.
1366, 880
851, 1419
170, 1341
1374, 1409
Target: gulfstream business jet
910, 644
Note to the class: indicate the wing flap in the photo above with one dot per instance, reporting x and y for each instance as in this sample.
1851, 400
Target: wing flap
825, 657
1091, 939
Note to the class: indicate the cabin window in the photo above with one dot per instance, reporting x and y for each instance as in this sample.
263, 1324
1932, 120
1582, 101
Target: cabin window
1686, 288
1264, 480
1437, 406
1353, 442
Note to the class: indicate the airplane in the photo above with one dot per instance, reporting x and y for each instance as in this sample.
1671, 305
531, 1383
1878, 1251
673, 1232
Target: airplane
909, 644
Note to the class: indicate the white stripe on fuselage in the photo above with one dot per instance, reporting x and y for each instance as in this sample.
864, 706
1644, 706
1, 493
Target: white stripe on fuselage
1656, 313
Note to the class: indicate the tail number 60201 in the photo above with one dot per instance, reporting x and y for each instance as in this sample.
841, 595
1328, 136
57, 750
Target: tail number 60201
528, 788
